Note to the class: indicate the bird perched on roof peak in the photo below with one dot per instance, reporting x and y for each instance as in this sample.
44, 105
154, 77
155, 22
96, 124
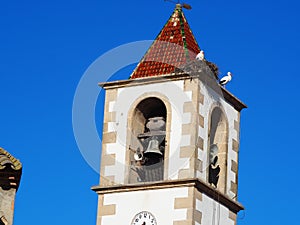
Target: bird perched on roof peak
224, 80
200, 56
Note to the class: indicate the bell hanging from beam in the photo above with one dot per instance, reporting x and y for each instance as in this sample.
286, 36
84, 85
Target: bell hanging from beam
153, 149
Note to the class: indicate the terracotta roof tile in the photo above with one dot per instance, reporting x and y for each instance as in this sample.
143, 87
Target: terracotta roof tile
6, 158
10, 171
174, 46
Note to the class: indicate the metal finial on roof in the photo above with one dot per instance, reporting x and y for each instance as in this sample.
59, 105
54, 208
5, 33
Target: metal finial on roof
180, 5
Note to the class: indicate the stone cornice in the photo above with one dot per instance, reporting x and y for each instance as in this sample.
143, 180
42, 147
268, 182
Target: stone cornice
144, 80
202, 187
207, 80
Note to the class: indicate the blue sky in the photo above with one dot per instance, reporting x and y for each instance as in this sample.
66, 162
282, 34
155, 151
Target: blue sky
46, 46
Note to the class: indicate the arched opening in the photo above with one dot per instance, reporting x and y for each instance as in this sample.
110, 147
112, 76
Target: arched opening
147, 142
218, 145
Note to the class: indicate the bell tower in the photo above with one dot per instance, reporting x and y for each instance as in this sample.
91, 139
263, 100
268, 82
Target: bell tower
170, 139
10, 176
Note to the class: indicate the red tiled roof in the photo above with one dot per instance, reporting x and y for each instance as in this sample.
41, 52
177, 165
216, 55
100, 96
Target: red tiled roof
174, 46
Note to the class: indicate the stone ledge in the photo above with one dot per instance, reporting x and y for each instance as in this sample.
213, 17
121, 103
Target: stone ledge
202, 187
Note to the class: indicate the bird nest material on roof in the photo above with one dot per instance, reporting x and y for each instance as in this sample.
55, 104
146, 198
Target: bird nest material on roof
197, 66
214, 68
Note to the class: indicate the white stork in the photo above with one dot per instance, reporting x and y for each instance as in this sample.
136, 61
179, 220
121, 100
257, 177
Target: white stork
200, 56
224, 80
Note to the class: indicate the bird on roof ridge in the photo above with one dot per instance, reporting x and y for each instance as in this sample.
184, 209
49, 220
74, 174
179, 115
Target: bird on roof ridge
224, 80
200, 56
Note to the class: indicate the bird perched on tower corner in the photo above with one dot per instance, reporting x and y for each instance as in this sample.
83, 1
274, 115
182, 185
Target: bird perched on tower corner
224, 80
200, 56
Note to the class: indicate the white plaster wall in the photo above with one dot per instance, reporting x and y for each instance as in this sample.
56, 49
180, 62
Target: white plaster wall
212, 98
213, 213
159, 202
174, 92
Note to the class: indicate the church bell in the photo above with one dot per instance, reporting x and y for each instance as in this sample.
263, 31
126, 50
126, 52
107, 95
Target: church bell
153, 148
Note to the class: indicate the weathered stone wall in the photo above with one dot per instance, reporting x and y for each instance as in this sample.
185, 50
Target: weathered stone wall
7, 199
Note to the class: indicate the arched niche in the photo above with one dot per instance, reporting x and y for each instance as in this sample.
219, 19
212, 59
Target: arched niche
218, 148
147, 146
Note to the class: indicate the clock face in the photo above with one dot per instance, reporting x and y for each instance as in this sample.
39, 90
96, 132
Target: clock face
144, 218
